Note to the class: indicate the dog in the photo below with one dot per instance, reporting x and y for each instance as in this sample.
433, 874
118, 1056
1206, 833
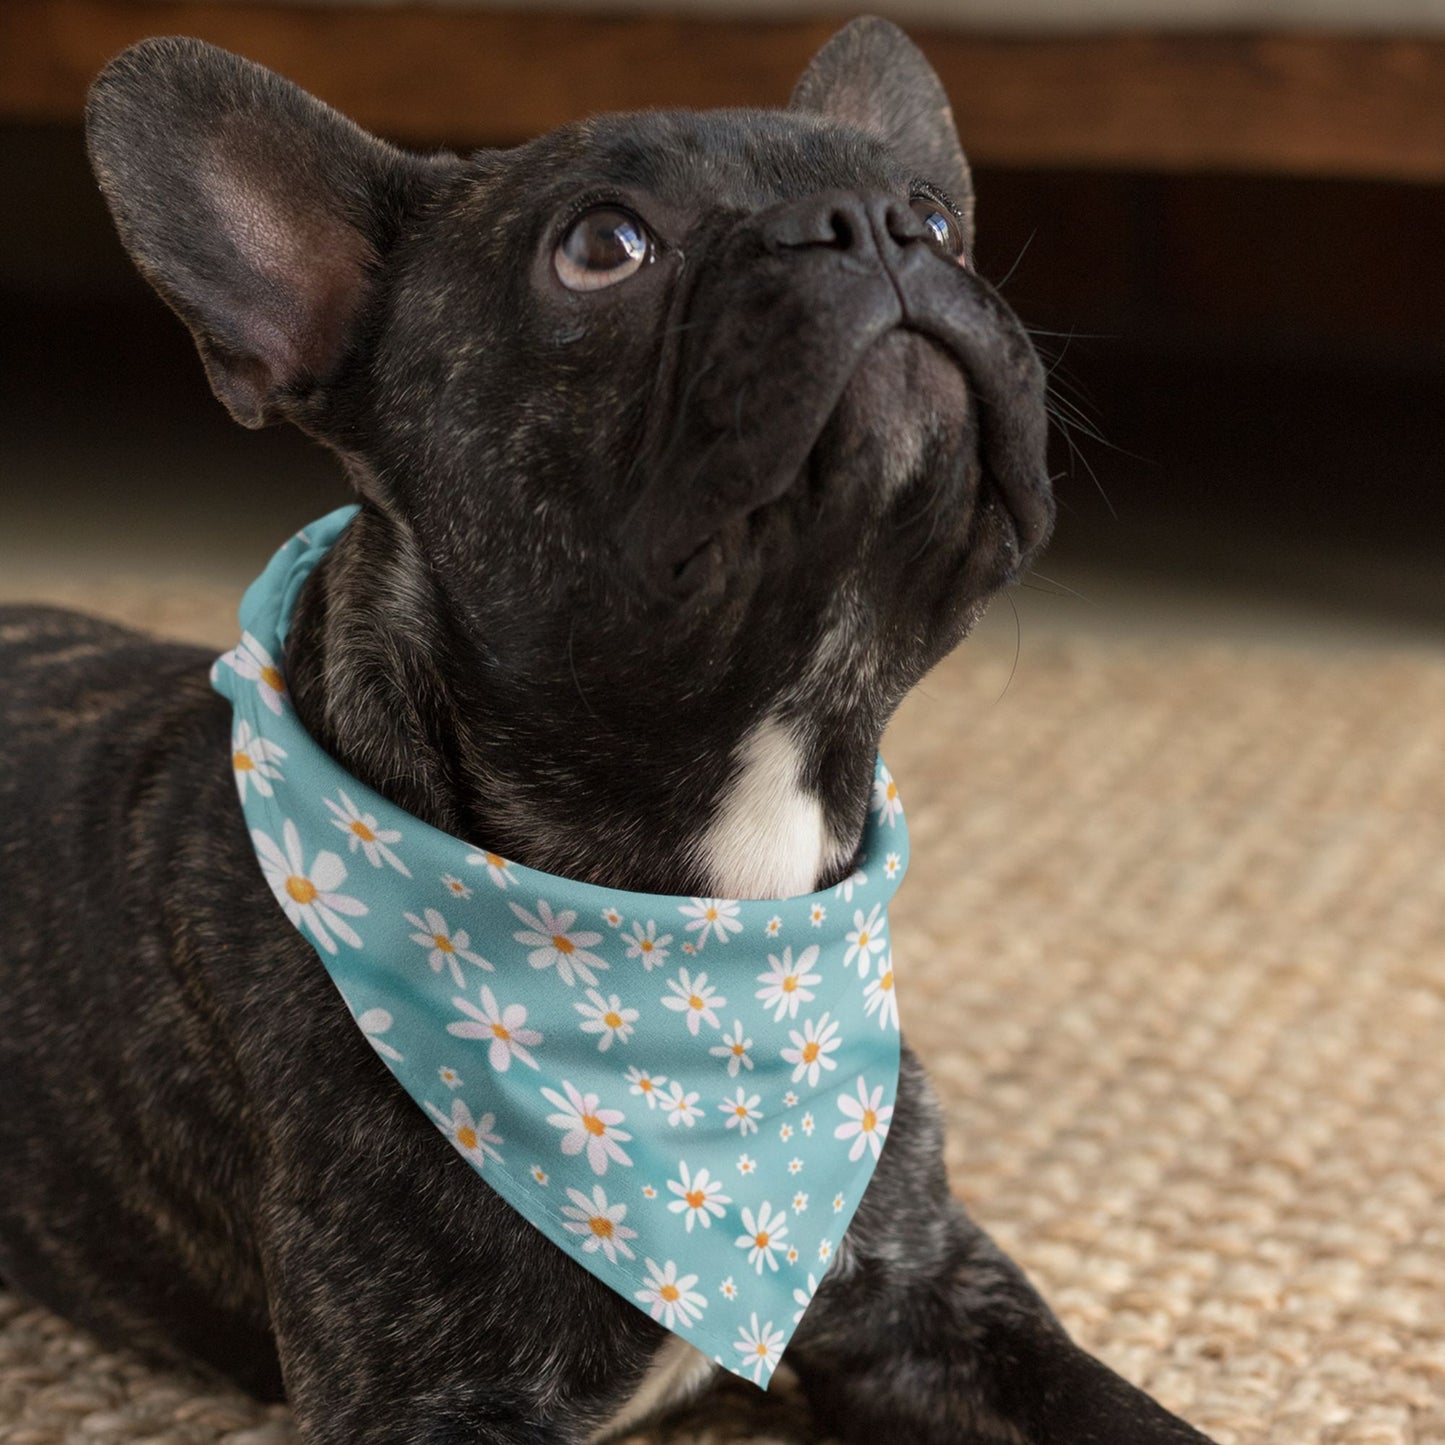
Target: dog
684, 444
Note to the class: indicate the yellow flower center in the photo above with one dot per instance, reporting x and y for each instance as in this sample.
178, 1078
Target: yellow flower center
495, 860
870, 1121
593, 1125
443, 942
303, 890
501, 1031
695, 1002
563, 944
242, 762
612, 1020
363, 832
863, 939
646, 945
760, 1239
601, 1226
645, 1085
467, 1138
810, 1051
696, 1198
886, 982
892, 791
273, 679
738, 1051
790, 983
711, 915
669, 1292
762, 1350
741, 1110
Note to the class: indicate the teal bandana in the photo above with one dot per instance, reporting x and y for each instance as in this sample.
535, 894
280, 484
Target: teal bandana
687, 1095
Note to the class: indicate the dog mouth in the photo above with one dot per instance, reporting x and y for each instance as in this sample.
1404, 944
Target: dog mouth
924, 352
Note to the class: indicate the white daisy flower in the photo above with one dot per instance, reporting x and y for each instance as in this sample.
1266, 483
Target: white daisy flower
587, 1126
499, 870
711, 918
785, 984
694, 997
612, 918
743, 1113
472, 1137
449, 1076
254, 759
309, 896
867, 1123
838, 1203
785, 1133
880, 997
800, 1203
790, 1099
607, 1017
809, 1054
734, 1048
698, 1196
599, 1223
251, 661
761, 1347
891, 864
803, 1297
792, 1254
765, 1233
646, 1085
505, 1030
746, 1164
553, 943
774, 926
817, 914
680, 1107
540, 1175
648, 1192
886, 802
455, 886
866, 939
669, 1297
646, 945
364, 832
728, 1289
845, 889
795, 1165
808, 1125
373, 1023
444, 947
825, 1250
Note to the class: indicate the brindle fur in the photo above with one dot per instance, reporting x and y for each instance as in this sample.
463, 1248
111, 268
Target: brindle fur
776, 475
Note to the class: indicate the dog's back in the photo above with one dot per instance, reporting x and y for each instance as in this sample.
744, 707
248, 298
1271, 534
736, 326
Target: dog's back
93, 826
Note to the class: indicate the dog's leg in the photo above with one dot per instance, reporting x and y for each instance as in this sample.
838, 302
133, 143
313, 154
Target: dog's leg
925, 1332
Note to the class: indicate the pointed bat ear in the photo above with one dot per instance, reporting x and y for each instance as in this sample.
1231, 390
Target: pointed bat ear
872, 76
258, 213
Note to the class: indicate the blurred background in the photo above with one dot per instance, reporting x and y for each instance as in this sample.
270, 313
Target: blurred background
1224, 219
1175, 936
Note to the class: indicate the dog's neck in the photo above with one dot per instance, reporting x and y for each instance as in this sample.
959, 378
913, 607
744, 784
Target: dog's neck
771, 805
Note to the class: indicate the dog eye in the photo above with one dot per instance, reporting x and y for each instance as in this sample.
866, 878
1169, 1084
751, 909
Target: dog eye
601, 248
943, 230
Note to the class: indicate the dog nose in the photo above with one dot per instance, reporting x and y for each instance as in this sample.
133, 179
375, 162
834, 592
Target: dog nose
861, 223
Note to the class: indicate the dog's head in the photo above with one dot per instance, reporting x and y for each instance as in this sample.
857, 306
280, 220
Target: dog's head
682, 420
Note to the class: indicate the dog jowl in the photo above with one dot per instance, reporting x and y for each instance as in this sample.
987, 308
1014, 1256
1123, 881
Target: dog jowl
684, 445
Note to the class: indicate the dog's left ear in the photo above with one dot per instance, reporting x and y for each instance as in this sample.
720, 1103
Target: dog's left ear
871, 75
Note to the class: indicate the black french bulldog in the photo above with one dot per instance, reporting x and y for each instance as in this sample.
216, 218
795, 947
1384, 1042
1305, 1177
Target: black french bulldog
686, 444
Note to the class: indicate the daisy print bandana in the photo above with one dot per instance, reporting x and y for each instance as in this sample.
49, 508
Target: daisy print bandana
687, 1095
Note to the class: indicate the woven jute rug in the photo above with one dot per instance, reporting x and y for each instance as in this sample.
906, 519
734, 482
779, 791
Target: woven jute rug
1174, 949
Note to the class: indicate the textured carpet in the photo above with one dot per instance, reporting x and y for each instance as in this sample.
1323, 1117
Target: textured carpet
1174, 949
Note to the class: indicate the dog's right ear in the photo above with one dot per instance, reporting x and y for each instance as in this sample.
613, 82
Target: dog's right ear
257, 212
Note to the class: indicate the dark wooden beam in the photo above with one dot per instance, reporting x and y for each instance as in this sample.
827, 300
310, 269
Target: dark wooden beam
1303, 104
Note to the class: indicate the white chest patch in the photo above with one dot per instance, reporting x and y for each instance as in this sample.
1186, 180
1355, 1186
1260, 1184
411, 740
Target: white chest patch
768, 839
677, 1373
